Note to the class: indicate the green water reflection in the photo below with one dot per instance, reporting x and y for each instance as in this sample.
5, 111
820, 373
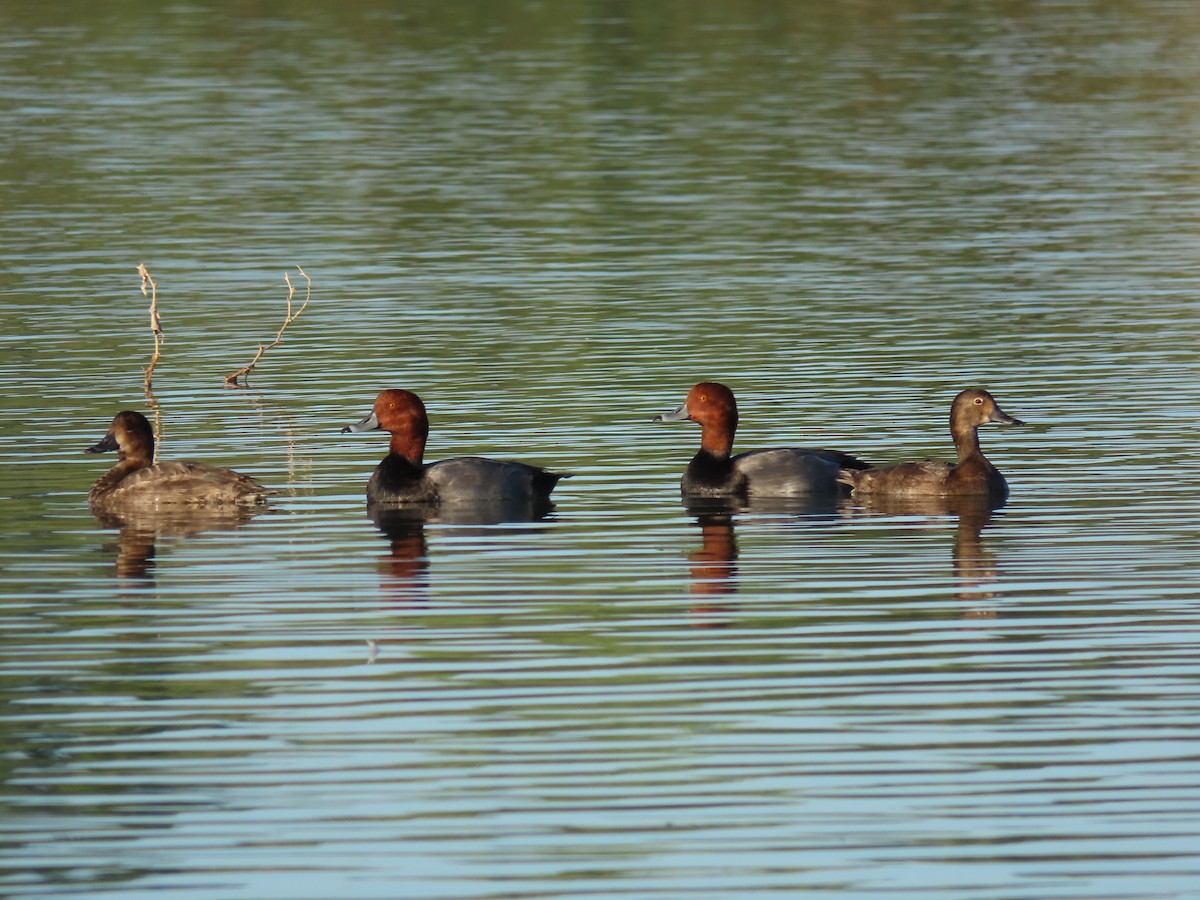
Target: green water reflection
550, 220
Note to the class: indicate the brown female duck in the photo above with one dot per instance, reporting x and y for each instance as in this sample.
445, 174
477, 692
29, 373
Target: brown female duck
972, 475
137, 484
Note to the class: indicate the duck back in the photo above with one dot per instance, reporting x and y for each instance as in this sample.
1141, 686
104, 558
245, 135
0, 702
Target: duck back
471, 479
461, 480
930, 478
787, 472
178, 483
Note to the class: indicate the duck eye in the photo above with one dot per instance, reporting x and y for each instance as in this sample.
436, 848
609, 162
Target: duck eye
704, 398
979, 401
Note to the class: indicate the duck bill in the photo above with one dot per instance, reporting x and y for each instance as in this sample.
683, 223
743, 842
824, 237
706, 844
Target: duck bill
106, 443
370, 422
1000, 417
679, 415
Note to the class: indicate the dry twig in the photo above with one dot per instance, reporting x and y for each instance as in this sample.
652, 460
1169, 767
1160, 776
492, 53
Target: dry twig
155, 321
244, 372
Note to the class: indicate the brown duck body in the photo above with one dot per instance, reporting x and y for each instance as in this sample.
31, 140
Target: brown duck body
137, 484
972, 475
173, 483
931, 478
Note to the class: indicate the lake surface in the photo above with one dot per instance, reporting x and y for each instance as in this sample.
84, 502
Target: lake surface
549, 220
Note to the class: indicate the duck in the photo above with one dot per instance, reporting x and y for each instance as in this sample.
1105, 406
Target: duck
137, 484
780, 472
403, 477
972, 475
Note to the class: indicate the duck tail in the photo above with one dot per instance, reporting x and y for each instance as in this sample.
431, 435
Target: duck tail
848, 477
544, 481
848, 460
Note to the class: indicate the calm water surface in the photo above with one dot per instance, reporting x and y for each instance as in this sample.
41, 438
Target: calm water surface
550, 220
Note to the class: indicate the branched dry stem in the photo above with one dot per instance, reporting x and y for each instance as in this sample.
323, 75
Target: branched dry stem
244, 372
155, 321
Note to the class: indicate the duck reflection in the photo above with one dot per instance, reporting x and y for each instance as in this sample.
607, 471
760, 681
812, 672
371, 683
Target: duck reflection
713, 567
483, 517
404, 570
974, 565
139, 534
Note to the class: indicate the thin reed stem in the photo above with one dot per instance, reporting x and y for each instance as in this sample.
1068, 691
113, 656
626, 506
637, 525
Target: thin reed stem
289, 318
155, 321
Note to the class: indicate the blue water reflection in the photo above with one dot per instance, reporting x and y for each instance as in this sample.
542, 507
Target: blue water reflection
545, 219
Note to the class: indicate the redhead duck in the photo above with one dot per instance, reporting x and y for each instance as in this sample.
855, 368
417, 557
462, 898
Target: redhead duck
137, 484
403, 478
971, 475
784, 472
